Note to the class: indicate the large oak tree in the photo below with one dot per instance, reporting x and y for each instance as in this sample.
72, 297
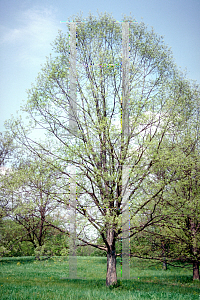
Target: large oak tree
99, 148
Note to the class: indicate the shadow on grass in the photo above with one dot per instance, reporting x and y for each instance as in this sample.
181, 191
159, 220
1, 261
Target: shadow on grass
142, 284
46, 277
11, 260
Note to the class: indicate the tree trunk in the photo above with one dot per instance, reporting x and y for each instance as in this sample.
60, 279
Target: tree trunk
196, 270
193, 228
111, 277
163, 255
164, 265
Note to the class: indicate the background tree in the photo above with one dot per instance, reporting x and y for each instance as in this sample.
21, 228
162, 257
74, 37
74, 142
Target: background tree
34, 191
98, 149
183, 225
16, 242
6, 151
176, 237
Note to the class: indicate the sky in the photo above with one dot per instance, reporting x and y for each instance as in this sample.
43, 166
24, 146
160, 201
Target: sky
28, 27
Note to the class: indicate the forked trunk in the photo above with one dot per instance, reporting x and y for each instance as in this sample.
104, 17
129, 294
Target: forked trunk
111, 277
196, 270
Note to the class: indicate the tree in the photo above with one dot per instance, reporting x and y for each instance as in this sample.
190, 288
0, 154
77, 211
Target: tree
34, 191
183, 224
178, 233
6, 150
99, 148
16, 242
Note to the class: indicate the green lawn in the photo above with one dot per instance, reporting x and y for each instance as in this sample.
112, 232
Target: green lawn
24, 278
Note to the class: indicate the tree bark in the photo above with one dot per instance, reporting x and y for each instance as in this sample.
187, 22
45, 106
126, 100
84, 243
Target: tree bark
111, 277
163, 255
164, 265
196, 270
194, 248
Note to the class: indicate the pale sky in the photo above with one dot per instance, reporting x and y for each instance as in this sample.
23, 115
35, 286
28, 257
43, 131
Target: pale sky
28, 27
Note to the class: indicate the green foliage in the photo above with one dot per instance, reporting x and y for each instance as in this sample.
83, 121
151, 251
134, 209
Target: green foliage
15, 242
55, 245
6, 147
41, 251
4, 251
12, 241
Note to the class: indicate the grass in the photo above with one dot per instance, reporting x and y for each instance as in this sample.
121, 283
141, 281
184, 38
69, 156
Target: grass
25, 278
